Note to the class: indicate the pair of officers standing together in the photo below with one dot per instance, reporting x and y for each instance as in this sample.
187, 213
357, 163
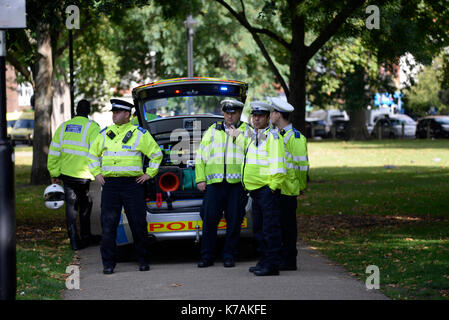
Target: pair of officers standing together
265, 167
271, 164
79, 151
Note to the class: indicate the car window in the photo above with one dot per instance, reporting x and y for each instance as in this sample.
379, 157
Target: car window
442, 120
173, 106
396, 122
11, 123
24, 124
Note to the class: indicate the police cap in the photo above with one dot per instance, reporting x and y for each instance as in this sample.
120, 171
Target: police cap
260, 107
280, 105
231, 106
121, 105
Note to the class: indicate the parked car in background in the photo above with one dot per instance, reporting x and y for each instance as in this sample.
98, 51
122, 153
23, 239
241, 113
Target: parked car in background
23, 129
394, 126
372, 115
338, 129
315, 128
434, 126
11, 119
330, 117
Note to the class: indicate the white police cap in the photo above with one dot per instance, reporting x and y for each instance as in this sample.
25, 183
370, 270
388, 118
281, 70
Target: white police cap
260, 107
281, 105
229, 105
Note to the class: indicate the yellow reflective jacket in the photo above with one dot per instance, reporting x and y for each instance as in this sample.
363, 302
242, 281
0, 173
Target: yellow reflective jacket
112, 157
264, 163
296, 161
219, 156
69, 148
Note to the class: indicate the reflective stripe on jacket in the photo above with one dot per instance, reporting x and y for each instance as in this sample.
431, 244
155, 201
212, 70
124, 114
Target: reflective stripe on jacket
113, 158
219, 156
296, 162
264, 162
69, 149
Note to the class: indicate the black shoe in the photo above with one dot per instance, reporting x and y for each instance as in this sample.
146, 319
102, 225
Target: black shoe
266, 272
108, 270
144, 267
228, 263
288, 267
205, 264
254, 268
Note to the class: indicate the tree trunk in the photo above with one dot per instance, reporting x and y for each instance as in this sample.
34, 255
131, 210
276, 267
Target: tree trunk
43, 106
357, 125
298, 63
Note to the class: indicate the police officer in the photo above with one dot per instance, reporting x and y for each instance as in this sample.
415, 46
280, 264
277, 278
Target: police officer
118, 151
263, 173
218, 173
68, 162
297, 164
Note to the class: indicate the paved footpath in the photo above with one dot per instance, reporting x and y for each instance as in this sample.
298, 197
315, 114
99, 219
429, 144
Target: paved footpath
176, 278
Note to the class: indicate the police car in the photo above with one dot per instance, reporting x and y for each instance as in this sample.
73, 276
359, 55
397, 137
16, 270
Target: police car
177, 112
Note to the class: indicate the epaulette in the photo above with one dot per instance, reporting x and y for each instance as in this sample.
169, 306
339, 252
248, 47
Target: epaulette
297, 133
102, 130
141, 129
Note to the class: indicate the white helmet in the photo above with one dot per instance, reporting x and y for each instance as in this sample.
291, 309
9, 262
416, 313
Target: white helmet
54, 196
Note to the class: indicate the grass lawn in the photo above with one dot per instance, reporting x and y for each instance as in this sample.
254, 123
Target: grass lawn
382, 203
42, 251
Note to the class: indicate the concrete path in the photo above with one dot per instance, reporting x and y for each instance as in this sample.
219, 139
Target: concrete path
174, 275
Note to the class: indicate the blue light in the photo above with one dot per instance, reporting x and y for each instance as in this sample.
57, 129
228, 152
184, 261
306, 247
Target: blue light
224, 88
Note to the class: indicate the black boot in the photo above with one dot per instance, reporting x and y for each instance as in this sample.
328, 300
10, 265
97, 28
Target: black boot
75, 240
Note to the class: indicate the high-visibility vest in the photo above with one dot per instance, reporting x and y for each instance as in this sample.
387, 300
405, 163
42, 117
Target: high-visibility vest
69, 148
264, 163
219, 157
296, 162
112, 157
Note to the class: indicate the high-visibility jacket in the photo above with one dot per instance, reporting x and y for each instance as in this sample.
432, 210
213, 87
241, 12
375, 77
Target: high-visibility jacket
296, 161
112, 157
69, 148
219, 156
264, 163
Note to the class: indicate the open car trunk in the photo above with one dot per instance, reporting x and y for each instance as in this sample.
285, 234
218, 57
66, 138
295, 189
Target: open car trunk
177, 112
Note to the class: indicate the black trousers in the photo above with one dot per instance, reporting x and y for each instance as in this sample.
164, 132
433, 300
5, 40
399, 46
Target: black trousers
289, 228
266, 226
231, 199
126, 193
77, 198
